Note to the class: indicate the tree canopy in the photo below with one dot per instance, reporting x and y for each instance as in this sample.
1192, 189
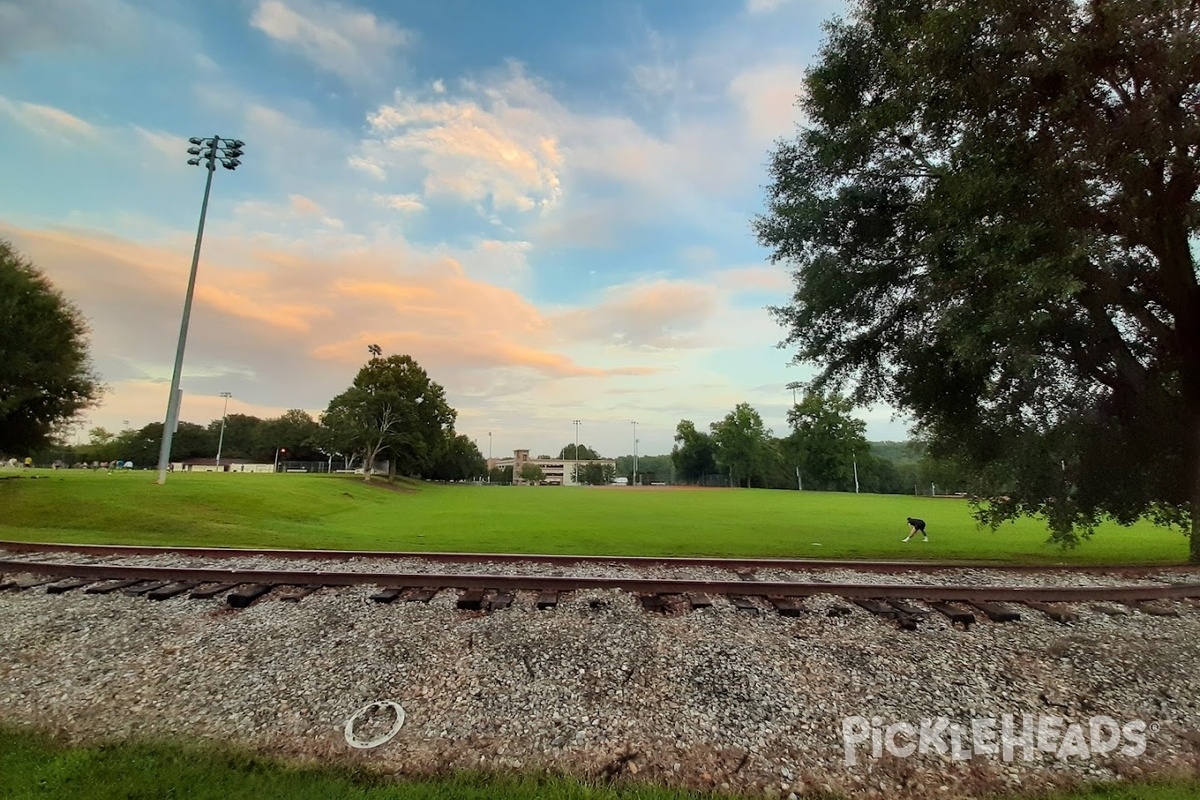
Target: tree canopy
393, 408
743, 444
991, 214
694, 454
585, 452
826, 441
45, 375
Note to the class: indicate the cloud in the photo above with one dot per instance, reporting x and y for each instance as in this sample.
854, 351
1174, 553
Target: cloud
47, 121
32, 25
355, 45
767, 95
655, 315
404, 203
498, 148
282, 323
765, 6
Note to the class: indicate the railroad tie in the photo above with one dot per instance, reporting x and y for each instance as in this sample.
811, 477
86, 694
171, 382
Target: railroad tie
299, 593
207, 592
247, 594
499, 601
838, 611
1152, 609
699, 601
743, 603
788, 606
653, 602
1111, 611
471, 600
905, 607
112, 586
142, 587
956, 614
997, 613
1059, 613
170, 591
387, 595
421, 595
6, 584
30, 583
547, 600
67, 585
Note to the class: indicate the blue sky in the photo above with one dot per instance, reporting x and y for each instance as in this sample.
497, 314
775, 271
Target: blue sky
547, 204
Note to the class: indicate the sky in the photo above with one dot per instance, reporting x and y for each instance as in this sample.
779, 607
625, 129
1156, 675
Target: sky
548, 205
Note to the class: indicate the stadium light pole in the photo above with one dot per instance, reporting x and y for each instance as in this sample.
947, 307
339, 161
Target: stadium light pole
576, 423
207, 152
489, 456
279, 450
221, 438
635, 449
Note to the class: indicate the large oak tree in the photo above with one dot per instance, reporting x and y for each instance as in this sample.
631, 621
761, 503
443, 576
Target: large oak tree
992, 216
45, 376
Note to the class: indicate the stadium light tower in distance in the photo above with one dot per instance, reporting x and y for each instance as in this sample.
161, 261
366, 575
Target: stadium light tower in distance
576, 423
221, 439
635, 451
207, 152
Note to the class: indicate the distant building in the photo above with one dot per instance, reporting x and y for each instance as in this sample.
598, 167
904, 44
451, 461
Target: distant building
555, 471
227, 465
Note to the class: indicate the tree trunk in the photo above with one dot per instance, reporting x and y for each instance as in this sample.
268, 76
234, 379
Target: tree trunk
391, 470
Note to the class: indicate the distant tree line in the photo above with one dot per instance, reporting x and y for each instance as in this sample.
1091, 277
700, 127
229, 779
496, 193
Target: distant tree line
821, 452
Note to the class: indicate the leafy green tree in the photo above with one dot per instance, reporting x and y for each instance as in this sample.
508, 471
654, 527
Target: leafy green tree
293, 430
502, 475
826, 441
243, 438
991, 218
392, 408
532, 473
585, 452
742, 444
694, 454
597, 474
45, 376
457, 459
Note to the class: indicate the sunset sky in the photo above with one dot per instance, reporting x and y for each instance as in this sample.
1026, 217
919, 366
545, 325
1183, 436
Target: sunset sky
546, 203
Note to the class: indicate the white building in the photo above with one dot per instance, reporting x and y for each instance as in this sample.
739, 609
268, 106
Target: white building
555, 471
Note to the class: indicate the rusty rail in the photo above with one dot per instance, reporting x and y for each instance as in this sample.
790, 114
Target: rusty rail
568, 560
639, 585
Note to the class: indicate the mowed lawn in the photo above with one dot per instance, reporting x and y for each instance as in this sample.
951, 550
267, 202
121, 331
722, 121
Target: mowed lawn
34, 767
334, 512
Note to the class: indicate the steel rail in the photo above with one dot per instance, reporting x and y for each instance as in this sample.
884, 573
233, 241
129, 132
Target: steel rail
637, 585
569, 560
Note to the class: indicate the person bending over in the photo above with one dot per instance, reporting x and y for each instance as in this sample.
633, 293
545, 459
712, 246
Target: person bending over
916, 526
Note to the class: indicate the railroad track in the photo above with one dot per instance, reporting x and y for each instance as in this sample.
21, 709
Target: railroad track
903, 603
734, 564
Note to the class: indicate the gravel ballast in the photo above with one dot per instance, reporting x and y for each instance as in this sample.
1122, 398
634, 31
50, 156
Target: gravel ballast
599, 687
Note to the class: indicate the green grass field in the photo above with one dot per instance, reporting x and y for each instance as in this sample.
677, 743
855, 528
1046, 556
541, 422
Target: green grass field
312, 511
38, 768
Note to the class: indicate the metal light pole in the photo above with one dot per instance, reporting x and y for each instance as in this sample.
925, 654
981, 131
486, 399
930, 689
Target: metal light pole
221, 438
279, 450
207, 152
489, 456
635, 450
576, 423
